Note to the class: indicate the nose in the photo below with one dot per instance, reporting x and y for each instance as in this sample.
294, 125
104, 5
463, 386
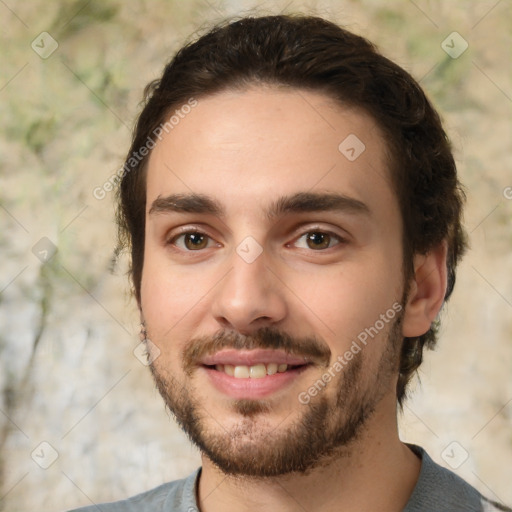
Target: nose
250, 296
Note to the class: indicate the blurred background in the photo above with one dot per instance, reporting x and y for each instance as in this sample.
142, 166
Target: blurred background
80, 419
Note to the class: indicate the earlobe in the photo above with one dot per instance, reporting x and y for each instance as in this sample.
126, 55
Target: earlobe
427, 291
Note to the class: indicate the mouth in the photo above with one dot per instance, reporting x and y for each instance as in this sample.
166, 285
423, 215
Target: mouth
253, 382
256, 371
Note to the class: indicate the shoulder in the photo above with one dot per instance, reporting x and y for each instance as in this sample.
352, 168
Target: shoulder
440, 489
179, 496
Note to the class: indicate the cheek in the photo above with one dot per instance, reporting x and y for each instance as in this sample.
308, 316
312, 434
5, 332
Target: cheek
170, 300
169, 292
347, 299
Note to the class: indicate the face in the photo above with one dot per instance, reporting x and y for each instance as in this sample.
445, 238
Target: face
272, 281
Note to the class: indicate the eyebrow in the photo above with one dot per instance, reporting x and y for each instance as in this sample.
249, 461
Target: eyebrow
300, 202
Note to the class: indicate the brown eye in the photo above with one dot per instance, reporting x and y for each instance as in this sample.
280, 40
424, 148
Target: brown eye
190, 241
195, 241
319, 240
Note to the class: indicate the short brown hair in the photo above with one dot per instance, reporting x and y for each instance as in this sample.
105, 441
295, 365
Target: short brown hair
312, 53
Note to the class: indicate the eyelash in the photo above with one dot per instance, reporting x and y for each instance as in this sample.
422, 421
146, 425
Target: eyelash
341, 240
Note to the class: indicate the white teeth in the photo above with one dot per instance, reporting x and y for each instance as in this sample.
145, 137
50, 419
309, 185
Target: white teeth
242, 372
271, 368
256, 371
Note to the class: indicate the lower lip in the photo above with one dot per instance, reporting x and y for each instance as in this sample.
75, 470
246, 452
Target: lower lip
252, 388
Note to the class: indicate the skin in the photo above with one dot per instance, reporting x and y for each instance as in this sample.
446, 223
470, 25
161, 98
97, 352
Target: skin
326, 297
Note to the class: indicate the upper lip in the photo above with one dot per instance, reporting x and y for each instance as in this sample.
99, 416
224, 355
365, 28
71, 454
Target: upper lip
252, 357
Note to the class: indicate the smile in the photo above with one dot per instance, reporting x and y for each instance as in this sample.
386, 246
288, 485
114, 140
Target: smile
257, 371
252, 382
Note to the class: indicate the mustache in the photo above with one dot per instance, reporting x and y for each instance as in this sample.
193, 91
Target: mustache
312, 347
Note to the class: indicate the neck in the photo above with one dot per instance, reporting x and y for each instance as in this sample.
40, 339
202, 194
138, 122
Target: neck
376, 472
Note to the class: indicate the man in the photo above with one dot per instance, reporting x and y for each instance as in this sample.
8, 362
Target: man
293, 212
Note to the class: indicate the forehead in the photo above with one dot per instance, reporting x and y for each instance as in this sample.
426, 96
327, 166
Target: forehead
248, 148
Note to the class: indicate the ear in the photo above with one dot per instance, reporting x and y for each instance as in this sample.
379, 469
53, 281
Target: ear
426, 292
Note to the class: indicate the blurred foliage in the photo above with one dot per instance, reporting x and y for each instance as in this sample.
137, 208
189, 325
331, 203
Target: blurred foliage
74, 16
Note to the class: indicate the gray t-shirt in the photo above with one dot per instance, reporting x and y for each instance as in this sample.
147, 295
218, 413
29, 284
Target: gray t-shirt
437, 490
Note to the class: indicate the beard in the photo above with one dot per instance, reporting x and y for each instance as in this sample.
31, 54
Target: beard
324, 429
